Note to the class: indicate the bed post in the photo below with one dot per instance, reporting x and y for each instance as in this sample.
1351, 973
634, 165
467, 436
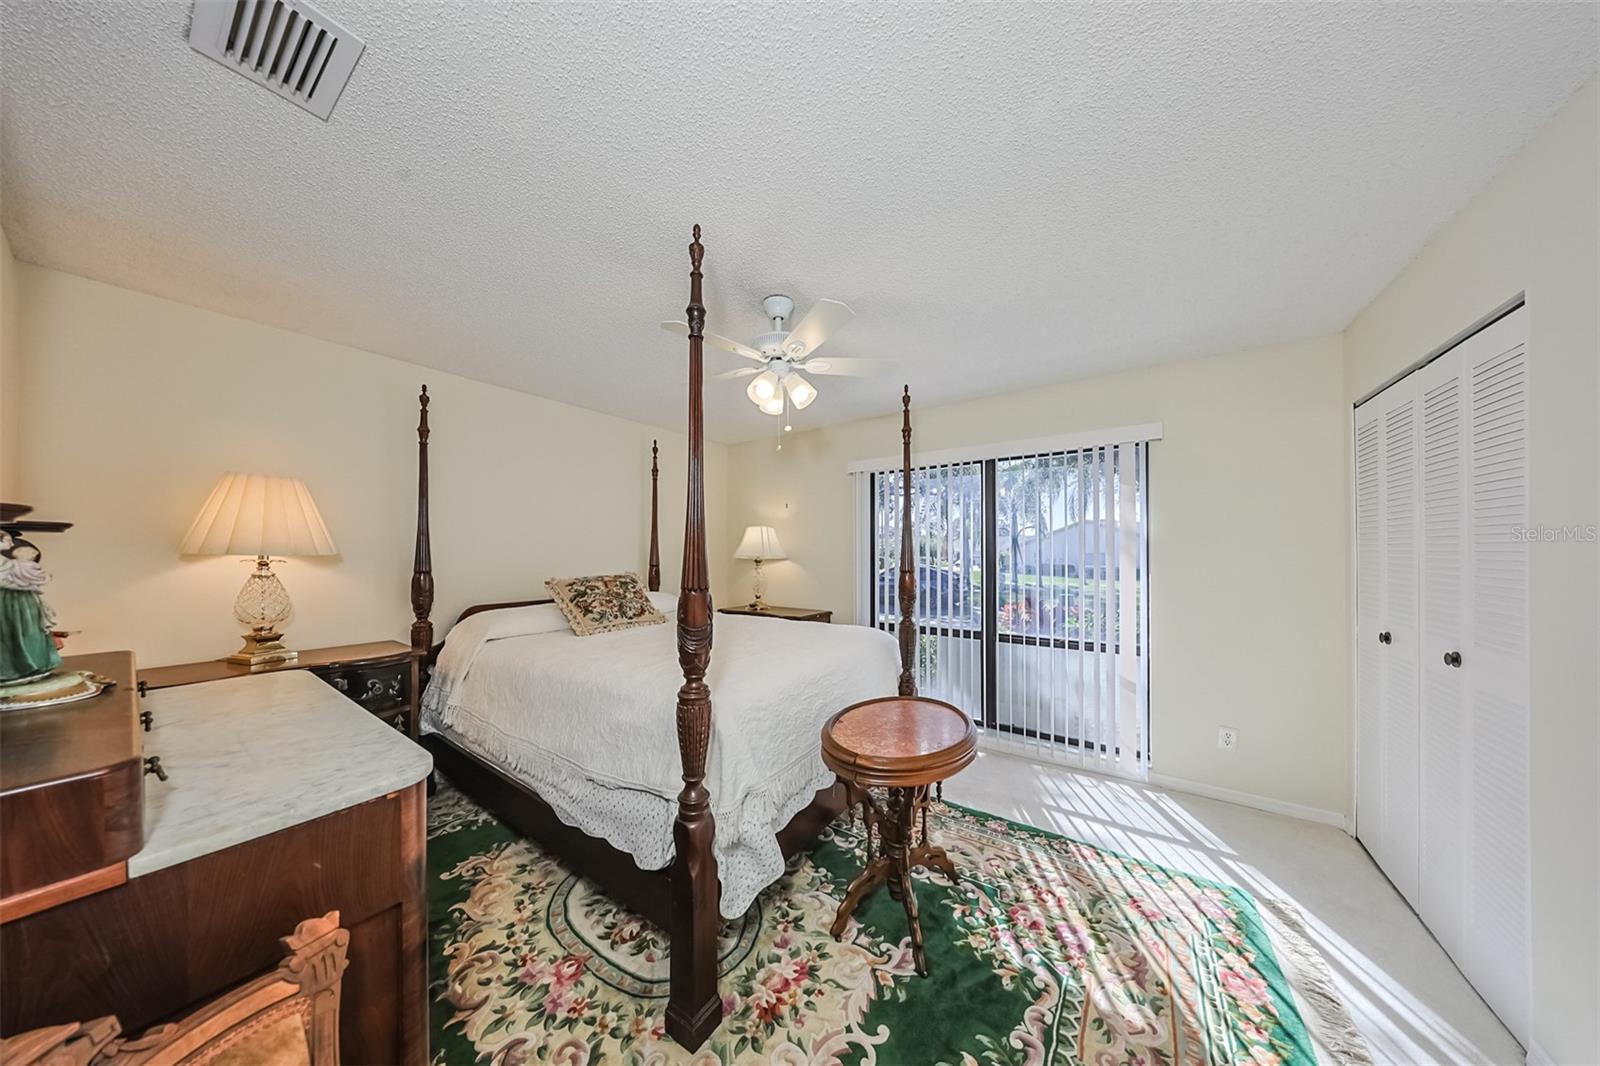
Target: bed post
694, 1009
422, 561
653, 576
907, 629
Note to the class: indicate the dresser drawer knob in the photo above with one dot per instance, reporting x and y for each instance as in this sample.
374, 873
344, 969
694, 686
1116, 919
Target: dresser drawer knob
147, 719
152, 765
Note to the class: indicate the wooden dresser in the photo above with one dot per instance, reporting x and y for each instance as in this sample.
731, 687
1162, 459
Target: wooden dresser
283, 799
71, 793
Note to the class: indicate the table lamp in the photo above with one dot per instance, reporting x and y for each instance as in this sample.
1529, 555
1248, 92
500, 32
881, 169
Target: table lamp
759, 543
249, 514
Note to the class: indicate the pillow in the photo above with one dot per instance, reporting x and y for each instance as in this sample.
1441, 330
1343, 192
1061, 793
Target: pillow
604, 603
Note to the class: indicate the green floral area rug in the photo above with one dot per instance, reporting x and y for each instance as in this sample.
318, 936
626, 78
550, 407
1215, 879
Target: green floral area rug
1049, 951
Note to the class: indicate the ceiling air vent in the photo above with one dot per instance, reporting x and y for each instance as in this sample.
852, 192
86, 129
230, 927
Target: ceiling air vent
286, 45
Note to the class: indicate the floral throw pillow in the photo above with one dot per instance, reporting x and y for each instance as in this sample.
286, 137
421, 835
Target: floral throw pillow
604, 603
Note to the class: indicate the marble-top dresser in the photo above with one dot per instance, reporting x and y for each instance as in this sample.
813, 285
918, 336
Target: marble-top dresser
283, 800
251, 755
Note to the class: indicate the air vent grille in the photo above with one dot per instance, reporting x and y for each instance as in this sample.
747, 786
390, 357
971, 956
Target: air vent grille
287, 46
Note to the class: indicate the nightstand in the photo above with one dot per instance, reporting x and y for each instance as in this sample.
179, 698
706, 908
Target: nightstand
793, 614
384, 677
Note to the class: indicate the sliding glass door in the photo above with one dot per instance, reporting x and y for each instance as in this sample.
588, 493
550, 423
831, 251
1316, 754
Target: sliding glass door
1031, 595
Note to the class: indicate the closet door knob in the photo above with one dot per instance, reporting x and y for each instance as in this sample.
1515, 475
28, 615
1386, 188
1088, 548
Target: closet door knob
1452, 658
1386, 637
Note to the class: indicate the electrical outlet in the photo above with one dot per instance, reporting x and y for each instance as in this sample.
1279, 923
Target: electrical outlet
1227, 738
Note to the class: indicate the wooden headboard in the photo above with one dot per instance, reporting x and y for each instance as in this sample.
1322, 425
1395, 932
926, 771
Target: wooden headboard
422, 559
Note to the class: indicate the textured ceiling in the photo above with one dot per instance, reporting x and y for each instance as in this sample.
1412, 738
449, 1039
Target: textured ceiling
1007, 195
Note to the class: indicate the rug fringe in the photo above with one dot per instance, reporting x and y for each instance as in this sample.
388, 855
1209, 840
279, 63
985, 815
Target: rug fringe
1330, 1023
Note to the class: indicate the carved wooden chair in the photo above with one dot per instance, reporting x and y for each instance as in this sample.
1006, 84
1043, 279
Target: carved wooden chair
72, 1044
289, 1017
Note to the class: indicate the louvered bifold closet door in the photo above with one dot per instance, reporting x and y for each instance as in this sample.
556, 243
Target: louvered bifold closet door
1444, 729
1369, 623
1494, 670
1398, 676
1442, 708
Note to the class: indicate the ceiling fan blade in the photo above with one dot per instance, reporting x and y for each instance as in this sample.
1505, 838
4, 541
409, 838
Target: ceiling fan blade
735, 347
736, 372
813, 331
852, 368
682, 330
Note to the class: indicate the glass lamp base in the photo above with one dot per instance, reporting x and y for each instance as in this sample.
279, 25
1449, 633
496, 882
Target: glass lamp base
758, 586
262, 605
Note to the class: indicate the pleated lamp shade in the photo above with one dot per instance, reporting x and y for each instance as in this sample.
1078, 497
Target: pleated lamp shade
760, 542
251, 514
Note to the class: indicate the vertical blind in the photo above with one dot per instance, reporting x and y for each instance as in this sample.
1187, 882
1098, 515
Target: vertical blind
1032, 602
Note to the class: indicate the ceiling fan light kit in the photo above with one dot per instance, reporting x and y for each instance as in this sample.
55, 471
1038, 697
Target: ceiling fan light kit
801, 392
778, 385
762, 388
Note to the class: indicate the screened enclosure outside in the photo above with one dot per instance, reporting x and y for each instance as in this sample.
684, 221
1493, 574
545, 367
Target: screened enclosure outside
1031, 605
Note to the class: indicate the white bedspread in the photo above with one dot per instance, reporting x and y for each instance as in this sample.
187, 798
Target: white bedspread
589, 723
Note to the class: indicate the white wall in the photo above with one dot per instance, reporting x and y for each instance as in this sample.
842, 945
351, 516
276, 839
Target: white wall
134, 405
1534, 230
1251, 469
10, 370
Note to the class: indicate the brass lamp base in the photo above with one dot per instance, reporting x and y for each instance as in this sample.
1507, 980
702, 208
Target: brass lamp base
263, 648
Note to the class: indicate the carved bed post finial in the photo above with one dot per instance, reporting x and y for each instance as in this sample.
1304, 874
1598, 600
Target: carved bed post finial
653, 577
907, 629
694, 1008
696, 311
422, 561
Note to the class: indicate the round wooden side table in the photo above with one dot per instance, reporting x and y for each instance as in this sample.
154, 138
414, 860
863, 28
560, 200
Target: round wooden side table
901, 746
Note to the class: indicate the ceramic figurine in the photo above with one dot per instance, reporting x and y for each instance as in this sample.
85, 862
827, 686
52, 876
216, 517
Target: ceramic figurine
27, 649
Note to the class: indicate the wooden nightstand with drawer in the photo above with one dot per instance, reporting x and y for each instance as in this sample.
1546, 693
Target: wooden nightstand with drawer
384, 677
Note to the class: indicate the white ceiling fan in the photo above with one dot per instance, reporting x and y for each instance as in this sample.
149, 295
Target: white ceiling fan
783, 353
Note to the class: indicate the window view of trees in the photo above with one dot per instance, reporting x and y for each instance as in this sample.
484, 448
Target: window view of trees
947, 532
1054, 562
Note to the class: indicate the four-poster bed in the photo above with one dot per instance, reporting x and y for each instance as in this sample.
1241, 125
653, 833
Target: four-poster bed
687, 893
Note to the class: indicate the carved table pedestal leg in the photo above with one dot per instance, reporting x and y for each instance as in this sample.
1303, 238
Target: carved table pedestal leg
900, 849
